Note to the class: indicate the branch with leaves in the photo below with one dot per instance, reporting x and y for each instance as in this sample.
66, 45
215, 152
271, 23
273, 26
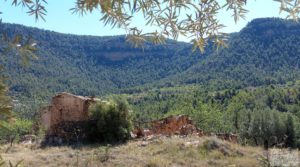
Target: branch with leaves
193, 19
35, 8
5, 104
25, 47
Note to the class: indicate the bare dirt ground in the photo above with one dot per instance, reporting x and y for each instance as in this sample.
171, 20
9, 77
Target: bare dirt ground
160, 151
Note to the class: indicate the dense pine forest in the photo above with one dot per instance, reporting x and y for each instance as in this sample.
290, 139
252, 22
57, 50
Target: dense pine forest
251, 87
264, 52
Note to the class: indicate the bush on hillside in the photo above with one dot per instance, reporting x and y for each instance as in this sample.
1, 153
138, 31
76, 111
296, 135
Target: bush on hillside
112, 121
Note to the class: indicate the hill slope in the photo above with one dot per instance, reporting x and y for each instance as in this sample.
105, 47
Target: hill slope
90, 65
265, 52
170, 151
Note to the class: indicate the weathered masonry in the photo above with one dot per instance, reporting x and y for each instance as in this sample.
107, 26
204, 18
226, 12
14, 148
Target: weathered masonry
65, 114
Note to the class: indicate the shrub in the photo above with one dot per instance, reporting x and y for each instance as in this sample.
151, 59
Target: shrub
16, 129
223, 149
112, 121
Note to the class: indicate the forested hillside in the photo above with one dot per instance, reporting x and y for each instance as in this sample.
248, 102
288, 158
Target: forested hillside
252, 83
90, 65
265, 52
257, 115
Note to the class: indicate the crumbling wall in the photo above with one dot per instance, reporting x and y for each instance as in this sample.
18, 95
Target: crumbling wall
65, 109
46, 117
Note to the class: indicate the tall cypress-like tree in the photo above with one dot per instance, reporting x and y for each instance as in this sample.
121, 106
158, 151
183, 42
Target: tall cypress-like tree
290, 132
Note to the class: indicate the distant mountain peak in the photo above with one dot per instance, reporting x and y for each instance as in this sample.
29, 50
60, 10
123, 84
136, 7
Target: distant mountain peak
271, 27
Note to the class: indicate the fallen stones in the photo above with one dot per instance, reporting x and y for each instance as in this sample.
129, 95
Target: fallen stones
173, 125
144, 143
180, 125
192, 143
228, 137
28, 139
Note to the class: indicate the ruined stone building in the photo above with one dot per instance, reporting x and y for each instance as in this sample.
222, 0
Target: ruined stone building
65, 109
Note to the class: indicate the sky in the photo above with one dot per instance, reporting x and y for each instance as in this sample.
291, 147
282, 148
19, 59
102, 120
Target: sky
60, 19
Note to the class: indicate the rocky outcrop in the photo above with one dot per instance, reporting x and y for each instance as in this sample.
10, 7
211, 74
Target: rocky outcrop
66, 115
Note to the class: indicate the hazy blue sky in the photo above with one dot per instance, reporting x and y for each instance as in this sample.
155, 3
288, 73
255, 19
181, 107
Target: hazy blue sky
60, 19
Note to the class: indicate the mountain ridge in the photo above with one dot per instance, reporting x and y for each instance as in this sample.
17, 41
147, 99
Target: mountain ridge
264, 52
250, 58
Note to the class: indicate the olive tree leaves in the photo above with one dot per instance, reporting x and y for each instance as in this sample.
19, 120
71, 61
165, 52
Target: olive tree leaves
291, 7
24, 46
35, 8
194, 19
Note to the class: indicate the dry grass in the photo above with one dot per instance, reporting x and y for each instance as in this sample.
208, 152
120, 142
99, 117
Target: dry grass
174, 151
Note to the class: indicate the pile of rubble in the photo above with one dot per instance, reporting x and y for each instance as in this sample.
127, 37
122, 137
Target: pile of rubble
173, 125
177, 125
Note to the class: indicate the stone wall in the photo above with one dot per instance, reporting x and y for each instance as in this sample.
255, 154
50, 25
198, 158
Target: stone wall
63, 108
